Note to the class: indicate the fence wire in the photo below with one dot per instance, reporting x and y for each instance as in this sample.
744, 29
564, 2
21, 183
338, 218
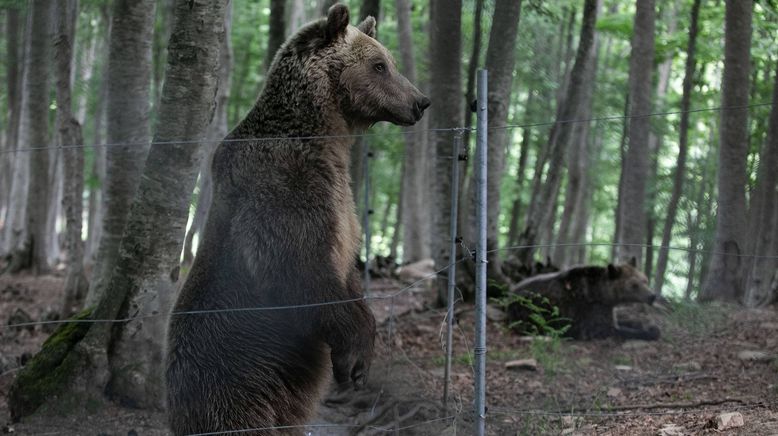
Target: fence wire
381, 134
583, 411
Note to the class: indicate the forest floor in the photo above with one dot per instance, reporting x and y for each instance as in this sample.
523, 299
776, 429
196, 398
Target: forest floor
678, 385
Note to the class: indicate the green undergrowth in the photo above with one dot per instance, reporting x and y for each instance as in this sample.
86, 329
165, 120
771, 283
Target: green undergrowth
47, 374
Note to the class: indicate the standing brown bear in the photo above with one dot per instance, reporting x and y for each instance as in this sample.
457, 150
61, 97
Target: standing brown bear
282, 231
580, 301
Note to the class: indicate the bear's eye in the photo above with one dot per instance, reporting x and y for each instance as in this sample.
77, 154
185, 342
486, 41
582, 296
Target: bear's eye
380, 67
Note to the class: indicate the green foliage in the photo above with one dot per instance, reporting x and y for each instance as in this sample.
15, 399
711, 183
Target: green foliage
546, 326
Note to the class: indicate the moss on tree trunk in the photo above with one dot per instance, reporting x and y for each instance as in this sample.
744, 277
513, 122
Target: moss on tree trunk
50, 372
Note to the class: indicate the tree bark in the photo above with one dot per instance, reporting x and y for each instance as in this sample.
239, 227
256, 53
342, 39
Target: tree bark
216, 132
12, 181
32, 254
144, 280
578, 162
13, 84
446, 112
680, 169
98, 170
414, 193
127, 111
725, 278
633, 195
761, 270
521, 169
655, 142
370, 8
277, 32
69, 134
559, 139
500, 62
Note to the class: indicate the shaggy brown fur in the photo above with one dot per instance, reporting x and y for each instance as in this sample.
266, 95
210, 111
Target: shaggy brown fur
585, 297
282, 232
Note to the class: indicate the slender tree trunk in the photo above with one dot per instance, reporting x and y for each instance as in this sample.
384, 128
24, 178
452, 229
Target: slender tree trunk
636, 163
13, 85
14, 167
446, 112
216, 132
500, 62
655, 142
725, 279
370, 8
468, 115
521, 169
127, 109
98, 170
622, 174
70, 133
578, 162
125, 360
680, 169
560, 138
32, 254
277, 33
159, 48
144, 280
414, 195
760, 270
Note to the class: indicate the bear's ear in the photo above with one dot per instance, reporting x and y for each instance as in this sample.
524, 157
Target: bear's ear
633, 262
368, 26
613, 271
337, 21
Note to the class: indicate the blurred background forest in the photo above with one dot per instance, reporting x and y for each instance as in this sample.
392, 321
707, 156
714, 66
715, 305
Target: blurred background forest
618, 129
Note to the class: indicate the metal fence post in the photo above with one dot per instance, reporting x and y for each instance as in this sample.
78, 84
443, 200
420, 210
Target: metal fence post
452, 267
366, 154
479, 350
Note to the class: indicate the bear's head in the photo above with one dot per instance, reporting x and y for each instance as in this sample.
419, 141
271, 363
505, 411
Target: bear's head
627, 284
345, 66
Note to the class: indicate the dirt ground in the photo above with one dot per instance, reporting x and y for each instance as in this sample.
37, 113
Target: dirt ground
678, 385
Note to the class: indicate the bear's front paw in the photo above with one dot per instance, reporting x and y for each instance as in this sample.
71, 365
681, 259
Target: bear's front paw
351, 368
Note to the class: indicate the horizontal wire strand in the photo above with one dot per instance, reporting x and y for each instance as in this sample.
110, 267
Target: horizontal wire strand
403, 132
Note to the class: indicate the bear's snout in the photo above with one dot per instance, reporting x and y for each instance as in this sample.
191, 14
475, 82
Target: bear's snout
651, 298
419, 105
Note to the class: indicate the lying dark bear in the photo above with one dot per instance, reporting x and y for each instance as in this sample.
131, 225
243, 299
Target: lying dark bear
579, 302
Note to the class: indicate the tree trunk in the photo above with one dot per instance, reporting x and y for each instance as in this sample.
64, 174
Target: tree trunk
521, 169
277, 32
32, 254
13, 84
15, 165
127, 109
370, 8
144, 280
500, 62
216, 132
761, 270
70, 133
578, 162
655, 142
725, 279
446, 112
414, 194
125, 360
98, 170
159, 49
633, 194
680, 169
622, 173
559, 138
